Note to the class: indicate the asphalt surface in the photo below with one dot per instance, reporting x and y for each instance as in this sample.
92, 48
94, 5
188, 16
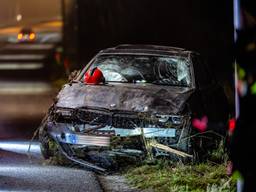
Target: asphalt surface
25, 96
49, 178
22, 168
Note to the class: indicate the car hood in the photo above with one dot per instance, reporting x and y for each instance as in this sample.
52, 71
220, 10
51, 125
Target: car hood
125, 97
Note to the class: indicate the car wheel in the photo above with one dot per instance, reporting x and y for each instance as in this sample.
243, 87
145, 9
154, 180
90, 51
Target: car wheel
45, 141
50, 149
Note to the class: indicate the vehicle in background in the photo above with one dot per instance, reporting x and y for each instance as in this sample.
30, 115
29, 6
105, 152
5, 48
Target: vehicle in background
142, 109
26, 34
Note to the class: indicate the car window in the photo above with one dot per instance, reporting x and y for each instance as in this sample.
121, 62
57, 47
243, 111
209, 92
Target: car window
163, 70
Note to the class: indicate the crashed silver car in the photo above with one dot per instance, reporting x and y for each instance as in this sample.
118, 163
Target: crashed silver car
142, 110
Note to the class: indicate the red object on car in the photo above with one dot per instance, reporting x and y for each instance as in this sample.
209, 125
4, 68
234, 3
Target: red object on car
94, 76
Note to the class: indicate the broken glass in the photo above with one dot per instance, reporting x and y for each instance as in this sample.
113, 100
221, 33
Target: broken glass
162, 70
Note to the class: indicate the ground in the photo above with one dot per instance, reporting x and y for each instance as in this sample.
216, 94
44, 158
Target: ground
167, 177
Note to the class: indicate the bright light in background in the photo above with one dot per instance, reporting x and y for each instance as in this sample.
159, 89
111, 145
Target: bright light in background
19, 17
20, 35
16, 88
32, 36
237, 17
21, 147
237, 26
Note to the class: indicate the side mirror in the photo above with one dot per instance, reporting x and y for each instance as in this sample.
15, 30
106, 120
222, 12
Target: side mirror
73, 75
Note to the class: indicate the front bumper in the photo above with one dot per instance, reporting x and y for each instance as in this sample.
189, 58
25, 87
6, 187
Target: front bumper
166, 141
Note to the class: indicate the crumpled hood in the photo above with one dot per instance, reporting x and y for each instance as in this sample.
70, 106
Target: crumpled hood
125, 97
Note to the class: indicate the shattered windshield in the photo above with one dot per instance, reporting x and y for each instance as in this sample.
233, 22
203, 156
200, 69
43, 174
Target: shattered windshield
162, 70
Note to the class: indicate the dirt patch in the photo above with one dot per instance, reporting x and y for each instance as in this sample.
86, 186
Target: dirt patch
115, 183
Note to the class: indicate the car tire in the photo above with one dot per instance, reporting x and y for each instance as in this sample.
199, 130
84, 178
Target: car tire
50, 149
44, 140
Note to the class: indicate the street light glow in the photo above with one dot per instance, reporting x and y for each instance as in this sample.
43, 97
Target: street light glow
19, 17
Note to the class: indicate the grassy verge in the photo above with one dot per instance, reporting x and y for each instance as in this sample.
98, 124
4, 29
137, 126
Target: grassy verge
167, 177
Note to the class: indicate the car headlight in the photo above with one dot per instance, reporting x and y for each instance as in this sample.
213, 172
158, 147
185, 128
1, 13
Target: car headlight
176, 120
173, 119
64, 112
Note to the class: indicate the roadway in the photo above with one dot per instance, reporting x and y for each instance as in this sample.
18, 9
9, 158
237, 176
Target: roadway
26, 93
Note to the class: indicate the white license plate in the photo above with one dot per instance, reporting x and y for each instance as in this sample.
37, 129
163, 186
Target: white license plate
148, 132
77, 139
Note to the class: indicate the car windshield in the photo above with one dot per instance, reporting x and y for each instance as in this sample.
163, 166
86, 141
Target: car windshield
162, 70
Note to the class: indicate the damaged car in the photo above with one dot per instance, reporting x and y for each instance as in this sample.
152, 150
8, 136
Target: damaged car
140, 108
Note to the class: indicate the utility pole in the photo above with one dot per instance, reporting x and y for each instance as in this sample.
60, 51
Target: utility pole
237, 26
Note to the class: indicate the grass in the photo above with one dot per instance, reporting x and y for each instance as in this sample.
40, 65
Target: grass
165, 176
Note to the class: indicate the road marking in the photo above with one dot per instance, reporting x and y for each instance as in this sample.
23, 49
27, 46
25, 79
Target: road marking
29, 46
17, 88
22, 57
21, 66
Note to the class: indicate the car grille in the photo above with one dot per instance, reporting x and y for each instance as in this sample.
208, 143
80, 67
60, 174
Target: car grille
119, 120
114, 119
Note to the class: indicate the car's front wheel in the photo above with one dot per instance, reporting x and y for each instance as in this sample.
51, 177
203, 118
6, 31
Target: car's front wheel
45, 143
50, 149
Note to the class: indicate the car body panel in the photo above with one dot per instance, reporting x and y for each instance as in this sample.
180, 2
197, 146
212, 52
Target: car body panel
126, 97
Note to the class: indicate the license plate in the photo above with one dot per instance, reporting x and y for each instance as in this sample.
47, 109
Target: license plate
77, 139
148, 132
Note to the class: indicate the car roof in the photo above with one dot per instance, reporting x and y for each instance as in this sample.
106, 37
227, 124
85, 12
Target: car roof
147, 49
